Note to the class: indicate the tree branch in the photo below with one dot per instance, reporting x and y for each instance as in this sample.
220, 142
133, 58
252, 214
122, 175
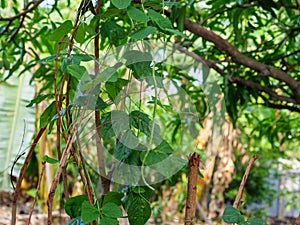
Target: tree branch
256, 86
247, 83
27, 10
240, 58
226, 10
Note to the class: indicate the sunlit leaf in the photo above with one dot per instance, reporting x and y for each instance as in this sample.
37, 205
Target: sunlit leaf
137, 15
121, 4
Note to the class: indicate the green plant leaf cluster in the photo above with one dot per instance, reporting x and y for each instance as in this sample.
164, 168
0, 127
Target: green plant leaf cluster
80, 210
232, 216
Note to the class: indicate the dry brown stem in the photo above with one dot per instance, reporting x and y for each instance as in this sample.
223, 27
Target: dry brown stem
21, 175
238, 198
190, 213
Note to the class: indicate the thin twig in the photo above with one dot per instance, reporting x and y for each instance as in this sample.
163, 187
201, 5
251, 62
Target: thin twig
101, 164
27, 10
86, 175
36, 192
238, 198
227, 10
202, 213
284, 100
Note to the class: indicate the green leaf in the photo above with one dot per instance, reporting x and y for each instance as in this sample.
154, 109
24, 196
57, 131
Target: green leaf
113, 122
120, 121
169, 166
80, 33
111, 210
113, 197
137, 15
50, 160
109, 221
112, 31
129, 140
158, 154
77, 58
100, 104
135, 56
62, 113
142, 122
38, 99
141, 70
256, 221
16, 124
102, 77
114, 88
73, 205
77, 71
89, 213
164, 147
138, 209
153, 157
48, 114
122, 152
75, 221
232, 215
236, 17
121, 4
162, 22
59, 32
177, 32
50, 58
3, 4
142, 33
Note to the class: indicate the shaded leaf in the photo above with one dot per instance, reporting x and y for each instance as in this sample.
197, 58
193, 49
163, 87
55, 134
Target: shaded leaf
38, 99
113, 197
76, 71
113, 88
73, 205
80, 33
232, 215
48, 114
59, 32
